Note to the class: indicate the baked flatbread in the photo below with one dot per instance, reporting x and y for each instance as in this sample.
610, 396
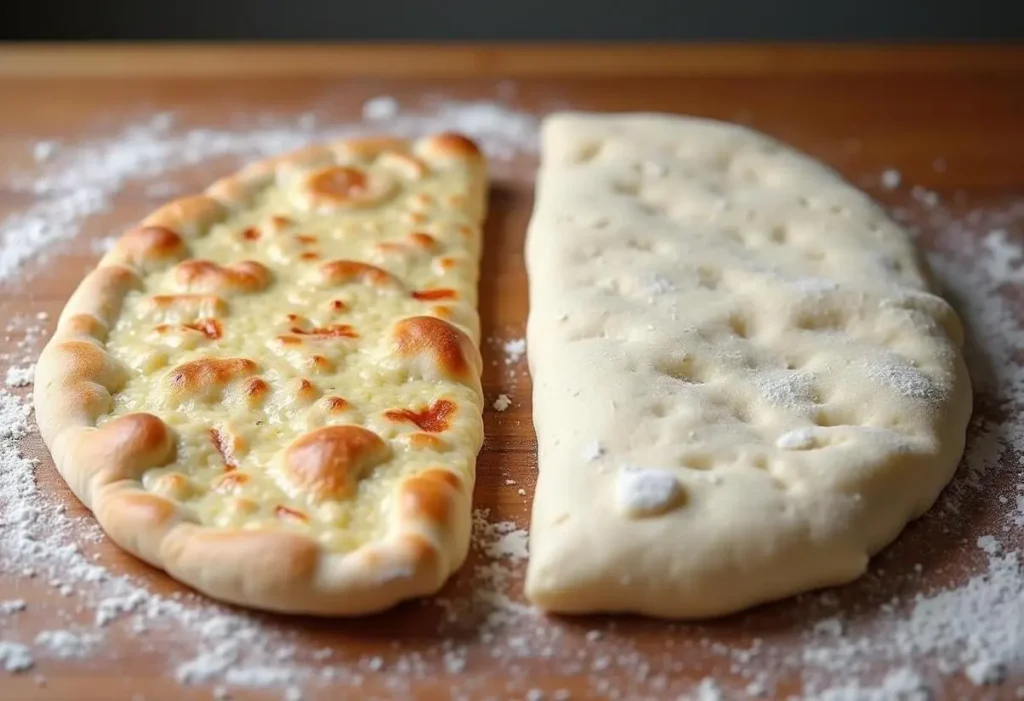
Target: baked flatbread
744, 386
272, 390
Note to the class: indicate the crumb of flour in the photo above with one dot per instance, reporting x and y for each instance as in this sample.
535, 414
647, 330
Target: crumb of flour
514, 350
378, 108
20, 376
891, 178
502, 402
15, 657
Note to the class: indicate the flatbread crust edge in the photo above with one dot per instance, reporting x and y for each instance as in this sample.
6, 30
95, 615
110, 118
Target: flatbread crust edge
429, 528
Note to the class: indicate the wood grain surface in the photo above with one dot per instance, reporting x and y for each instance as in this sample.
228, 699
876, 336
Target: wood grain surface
859, 109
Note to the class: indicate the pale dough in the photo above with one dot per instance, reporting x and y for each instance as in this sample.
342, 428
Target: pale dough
744, 386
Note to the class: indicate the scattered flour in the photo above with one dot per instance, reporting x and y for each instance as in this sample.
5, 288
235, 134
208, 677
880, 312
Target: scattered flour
514, 350
891, 179
502, 402
21, 376
15, 657
378, 108
499, 540
65, 643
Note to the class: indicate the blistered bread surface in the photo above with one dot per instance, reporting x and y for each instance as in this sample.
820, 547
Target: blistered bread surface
306, 335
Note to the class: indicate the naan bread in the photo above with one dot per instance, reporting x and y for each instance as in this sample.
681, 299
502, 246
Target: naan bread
272, 390
744, 386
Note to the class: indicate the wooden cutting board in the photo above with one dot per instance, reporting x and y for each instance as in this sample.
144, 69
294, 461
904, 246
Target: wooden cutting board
949, 119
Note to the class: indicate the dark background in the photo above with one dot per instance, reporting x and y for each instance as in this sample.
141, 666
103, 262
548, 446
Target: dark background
707, 20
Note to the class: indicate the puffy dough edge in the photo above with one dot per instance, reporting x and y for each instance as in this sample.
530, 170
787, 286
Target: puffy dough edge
429, 530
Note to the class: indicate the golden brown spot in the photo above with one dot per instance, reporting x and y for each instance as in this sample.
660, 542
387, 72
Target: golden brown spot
256, 389
331, 331
330, 461
338, 306
210, 328
430, 496
225, 446
305, 239
320, 364
309, 256
465, 231
414, 217
344, 272
206, 373
436, 294
290, 514
149, 244
448, 350
82, 360
127, 446
389, 248
335, 405
436, 418
421, 200
452, 145
447, 263
289, 340
456, 200
295, 318
338, 183
230, 483
421, 240
278, 222
251, 234
425, 441
206, 276
306, 391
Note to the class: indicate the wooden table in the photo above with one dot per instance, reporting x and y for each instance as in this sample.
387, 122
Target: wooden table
860, 109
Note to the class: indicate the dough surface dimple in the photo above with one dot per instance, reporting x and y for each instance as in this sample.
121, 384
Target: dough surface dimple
755, 334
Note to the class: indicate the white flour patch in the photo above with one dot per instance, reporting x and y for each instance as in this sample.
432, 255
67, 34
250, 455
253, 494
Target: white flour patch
20, 376
781, 388
643, 491
502, 402
15, 657
378, 108
797, 439
891, 178
65, 644
514, 350
499, 540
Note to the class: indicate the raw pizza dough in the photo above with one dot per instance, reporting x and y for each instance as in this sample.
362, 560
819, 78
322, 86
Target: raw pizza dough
272, 390
744, 386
